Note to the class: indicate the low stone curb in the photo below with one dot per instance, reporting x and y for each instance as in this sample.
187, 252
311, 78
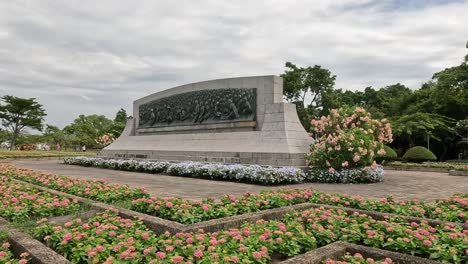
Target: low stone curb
160, 225
38, 252
409, 168
338, 249
458, 173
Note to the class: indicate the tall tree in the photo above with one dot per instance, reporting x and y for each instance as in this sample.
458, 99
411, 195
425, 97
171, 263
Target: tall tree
299, 83
87, 129
19, 113
120, 121
308, 88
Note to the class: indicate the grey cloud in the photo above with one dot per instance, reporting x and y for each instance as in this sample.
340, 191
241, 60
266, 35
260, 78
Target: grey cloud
84, 57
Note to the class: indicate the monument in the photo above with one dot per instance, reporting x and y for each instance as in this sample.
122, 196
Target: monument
235, 120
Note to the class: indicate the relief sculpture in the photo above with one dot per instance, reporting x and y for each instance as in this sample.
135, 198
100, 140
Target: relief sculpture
200, 107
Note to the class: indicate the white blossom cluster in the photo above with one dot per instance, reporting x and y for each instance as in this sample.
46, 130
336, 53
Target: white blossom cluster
217, 171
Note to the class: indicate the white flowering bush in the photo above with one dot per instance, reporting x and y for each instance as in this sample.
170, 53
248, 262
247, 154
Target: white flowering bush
348, 142
217, 171
353, 175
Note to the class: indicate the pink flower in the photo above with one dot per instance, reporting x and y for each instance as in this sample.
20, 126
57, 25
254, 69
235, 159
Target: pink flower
198, 253
427, 243
147, 250
257, 255
100, 248
356, 158
177, 259
6, 245
161, 255
145, 236
331, 170
169, 204
2, 254
344, 164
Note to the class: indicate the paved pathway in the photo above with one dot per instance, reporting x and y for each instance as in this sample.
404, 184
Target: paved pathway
400, 184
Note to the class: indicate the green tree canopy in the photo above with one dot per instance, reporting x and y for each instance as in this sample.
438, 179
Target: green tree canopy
86, 129
19, 113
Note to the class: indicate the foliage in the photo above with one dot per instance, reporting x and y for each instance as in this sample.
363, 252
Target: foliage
348, 138
54, 135
309, 88
87, 129
98, 190
419, 154
234, 172
389, 155
116, 238
119, 123
17, 114
422, 124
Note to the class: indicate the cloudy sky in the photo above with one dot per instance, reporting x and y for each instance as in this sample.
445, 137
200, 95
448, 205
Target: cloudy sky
86, 57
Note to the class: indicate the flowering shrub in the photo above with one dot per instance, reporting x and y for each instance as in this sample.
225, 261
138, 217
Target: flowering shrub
105, 140
358, 259
107, 238
6, 256
21, 202
354, 175
234, 172
348, 138
98, 190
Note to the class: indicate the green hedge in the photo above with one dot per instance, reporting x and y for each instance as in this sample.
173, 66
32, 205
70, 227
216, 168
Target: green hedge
419, 154
389, 155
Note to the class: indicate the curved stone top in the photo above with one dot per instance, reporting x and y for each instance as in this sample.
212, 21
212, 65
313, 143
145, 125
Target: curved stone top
268, 89
235, 82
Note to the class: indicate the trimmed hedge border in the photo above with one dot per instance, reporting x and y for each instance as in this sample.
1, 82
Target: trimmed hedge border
160, 225
338, 249
38, 252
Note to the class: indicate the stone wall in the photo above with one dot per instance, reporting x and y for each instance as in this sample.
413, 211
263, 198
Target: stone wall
275, 138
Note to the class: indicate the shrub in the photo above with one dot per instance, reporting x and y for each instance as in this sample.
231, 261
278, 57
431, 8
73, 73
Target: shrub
419, 154
349, 138
354, 175
389, 155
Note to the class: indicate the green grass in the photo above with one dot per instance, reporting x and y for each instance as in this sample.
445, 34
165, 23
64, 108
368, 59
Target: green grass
15, 154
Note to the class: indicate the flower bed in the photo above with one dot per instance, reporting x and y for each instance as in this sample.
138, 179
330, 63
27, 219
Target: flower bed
357, 258
218, 171
454, 208
436, 165
98, 190
21, 202
354, 175
6, 256
40, 154
117, 239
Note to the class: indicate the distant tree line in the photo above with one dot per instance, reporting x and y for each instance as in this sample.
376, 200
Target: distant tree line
19, 114
436, 114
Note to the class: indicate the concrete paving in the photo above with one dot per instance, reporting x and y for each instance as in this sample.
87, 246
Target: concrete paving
400, 184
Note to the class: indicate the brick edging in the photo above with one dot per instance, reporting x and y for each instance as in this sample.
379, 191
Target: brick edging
38, 252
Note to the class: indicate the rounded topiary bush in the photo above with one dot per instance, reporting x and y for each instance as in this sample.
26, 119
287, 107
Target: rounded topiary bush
419, 154
389, 155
